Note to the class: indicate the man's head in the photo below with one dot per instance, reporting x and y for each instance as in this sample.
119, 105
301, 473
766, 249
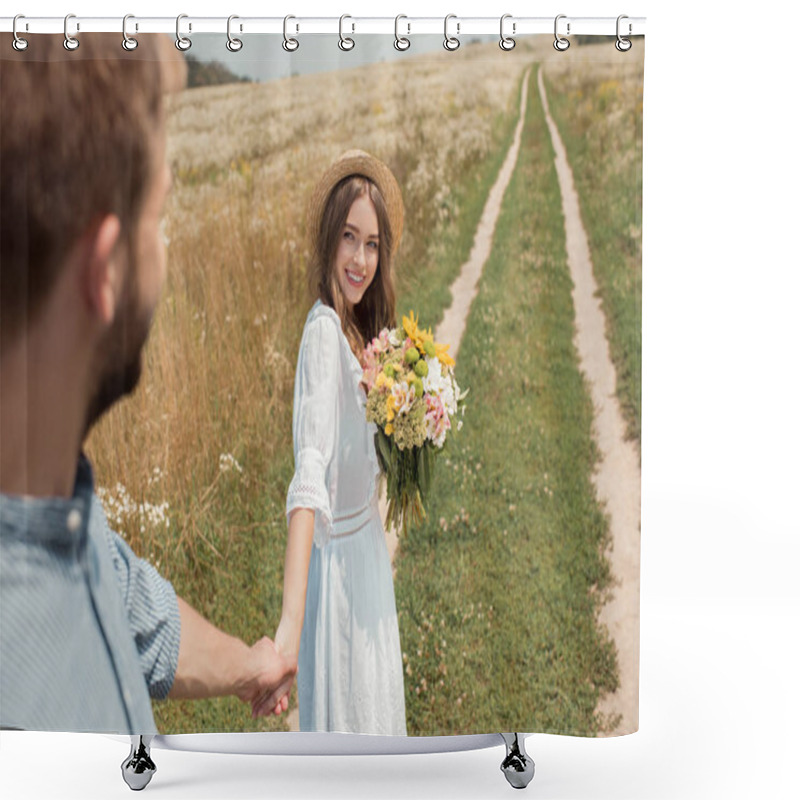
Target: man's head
83, 180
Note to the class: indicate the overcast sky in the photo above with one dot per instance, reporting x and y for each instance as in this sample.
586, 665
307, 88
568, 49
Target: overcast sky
262, 58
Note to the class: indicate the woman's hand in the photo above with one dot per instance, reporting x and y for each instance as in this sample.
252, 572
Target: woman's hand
269, 679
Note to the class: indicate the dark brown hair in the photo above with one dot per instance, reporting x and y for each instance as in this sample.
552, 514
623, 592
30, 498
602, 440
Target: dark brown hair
377, 307
78, 141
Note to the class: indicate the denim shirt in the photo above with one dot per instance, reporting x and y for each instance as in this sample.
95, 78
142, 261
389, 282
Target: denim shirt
88, 631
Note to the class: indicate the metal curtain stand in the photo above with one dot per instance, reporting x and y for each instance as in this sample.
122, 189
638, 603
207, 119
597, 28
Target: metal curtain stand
518, 767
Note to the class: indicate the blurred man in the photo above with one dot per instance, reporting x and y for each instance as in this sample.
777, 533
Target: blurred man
89, 633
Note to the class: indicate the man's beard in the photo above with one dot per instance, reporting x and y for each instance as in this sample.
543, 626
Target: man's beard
120, 354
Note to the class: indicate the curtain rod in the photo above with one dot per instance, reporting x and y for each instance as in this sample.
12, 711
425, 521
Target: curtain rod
297, 26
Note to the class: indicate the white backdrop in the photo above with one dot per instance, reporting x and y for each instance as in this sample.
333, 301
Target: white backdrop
719, 703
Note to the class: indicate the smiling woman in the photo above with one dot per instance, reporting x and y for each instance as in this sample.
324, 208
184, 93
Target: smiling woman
339, 620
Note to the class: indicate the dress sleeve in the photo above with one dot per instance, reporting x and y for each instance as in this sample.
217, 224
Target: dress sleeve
152, 609
316, 400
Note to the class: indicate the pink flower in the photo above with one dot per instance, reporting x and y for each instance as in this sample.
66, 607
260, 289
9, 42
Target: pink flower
370, 376
435, 406
442, 426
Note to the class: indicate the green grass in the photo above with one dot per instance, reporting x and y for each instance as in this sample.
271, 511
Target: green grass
229, 561
498, 592
600, 123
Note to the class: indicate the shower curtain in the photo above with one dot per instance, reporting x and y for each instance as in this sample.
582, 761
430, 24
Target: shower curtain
521, 179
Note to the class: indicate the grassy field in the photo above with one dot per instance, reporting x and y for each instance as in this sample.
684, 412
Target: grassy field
596, 102
196, 465
498, 592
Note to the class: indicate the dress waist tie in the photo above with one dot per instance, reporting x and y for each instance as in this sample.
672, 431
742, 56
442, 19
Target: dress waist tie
348, 524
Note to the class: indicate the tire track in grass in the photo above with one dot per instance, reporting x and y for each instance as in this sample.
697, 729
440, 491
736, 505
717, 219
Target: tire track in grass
618, 478
498, 590
465, 287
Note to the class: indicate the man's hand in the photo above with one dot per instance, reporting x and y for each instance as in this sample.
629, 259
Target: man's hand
269, 679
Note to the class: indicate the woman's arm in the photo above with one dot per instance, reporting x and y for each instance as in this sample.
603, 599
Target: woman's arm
295, 582
313, 432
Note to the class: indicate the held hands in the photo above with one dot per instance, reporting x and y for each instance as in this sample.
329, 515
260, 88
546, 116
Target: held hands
287, 644
212, 663
270, 676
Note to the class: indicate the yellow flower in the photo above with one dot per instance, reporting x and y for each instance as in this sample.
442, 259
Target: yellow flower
383, 381
410, 325
390, 408
444, 356
415, 333
389, 430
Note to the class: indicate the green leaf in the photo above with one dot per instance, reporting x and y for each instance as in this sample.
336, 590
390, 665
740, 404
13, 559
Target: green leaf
426, 473
383, 448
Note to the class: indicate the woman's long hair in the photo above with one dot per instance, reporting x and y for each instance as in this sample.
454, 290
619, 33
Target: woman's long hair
377, 307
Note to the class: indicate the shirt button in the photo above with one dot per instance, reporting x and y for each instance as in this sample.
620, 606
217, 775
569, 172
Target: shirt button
74, 520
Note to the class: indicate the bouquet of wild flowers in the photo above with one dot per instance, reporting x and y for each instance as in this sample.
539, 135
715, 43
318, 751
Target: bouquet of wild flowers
413, 398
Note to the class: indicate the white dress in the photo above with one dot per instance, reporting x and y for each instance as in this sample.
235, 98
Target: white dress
350, 670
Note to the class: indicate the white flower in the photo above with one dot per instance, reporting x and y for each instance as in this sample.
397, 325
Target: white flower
121, 508
228, 462
433, 382
403, 396
394, 339
448, 396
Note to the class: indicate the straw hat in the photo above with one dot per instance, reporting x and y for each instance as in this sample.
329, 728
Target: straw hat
357, 162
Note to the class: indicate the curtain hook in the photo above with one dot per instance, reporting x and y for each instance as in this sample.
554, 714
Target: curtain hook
345, 42
623, 44
451, 43
70, 42
18, 44
400, 42
289, 44
128, 42
507, 42
233, 44
183, 43
560, 43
